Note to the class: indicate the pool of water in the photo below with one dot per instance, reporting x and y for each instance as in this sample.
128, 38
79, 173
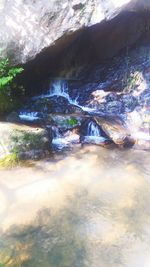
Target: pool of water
87, 208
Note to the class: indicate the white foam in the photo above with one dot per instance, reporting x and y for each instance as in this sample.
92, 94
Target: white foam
28, 116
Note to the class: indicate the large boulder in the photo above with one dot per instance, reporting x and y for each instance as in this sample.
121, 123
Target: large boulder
116, 130
59, 38
23, 141
27, 26
51, 105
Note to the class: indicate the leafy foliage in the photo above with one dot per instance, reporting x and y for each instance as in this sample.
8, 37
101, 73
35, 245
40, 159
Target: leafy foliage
7, 75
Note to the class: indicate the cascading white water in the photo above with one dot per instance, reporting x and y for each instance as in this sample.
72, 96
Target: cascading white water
56, 132
59, 88
93, 134
93, 129
64, 140
29, 116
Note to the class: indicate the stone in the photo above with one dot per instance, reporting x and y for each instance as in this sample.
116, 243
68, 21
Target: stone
129, 102
144, 98
65, 122
13, 117
27, 27
52, 104
114, 107
116, 130
23, 140
48, 35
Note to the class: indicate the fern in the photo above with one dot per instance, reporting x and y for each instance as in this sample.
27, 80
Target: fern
8, 100
14, 71
5, 81
7, 74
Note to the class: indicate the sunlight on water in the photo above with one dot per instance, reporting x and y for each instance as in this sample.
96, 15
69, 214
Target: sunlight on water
88, 208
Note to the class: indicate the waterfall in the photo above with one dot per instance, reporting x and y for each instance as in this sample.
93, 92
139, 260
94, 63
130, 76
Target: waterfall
28, 116
62, 140
93, 129
56, 132
93, 134
59, 88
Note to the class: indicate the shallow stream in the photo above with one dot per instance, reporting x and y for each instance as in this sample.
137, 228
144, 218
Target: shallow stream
89, 207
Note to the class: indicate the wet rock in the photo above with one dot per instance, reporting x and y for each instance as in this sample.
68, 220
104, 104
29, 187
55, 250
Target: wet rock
144, 98
111, 97
13, 117
66, 121
33, 154
128, 142
114, 107
116, 130
54, 104
146, 73
129, 102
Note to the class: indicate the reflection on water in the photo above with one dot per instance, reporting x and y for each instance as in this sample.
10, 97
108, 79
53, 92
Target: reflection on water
90, 208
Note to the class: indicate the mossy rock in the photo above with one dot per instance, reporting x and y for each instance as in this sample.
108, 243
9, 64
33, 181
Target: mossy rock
66, 121
17, 140
28, 140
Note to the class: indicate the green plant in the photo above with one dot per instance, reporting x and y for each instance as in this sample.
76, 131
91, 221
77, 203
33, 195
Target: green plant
7, 73
9, 161
8, 101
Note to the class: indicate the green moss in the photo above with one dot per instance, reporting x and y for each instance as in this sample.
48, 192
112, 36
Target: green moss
9, 161
72, 122
23, 141
8, 101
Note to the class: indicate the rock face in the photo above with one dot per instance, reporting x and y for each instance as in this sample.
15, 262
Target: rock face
58, 38
27, 26
28, 142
